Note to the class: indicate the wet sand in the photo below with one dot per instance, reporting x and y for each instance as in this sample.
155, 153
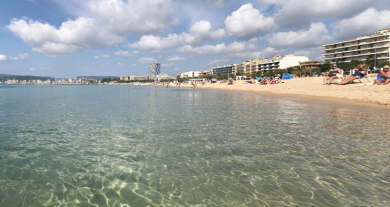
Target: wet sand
312, 88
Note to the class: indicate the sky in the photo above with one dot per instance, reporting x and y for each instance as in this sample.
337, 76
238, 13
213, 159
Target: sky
69, 38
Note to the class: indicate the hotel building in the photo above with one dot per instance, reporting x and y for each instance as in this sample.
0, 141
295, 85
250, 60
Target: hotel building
361, 48
266, 65
227, 69
153, 70
308, 64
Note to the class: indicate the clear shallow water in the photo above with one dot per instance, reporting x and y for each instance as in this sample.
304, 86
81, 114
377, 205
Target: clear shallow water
153, 146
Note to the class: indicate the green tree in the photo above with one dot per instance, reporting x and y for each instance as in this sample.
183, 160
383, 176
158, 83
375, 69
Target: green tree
288, 70
279, 71
324, 67
370, 62
381, 63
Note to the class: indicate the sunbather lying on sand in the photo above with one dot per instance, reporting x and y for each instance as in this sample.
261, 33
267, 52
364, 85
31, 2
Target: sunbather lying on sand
383, 76
360, 71
264, 80
271, 81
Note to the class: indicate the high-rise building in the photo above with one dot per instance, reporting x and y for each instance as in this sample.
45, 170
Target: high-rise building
153, 68
361, 48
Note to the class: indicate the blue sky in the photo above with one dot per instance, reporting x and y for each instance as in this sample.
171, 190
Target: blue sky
123, 37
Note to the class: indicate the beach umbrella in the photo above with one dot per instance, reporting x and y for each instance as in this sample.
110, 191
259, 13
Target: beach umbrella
214, 79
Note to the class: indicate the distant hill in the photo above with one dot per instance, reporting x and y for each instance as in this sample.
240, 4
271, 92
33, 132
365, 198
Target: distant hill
4, 77
98, 78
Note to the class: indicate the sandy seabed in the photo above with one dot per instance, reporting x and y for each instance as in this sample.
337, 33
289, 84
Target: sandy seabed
312, 88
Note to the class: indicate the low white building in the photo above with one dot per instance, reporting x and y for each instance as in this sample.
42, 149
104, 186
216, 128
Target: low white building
190, 74
291, 61
281, 63
141, 77
164, 76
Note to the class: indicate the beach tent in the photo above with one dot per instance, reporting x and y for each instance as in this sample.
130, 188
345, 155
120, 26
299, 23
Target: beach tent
214, 80
286, 76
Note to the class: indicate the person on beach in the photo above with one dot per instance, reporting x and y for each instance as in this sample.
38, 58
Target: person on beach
331, 75
383, 76
271, 80
360, 72
230, 81
264, 80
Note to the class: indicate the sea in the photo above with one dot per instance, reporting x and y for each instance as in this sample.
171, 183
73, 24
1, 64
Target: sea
121, 146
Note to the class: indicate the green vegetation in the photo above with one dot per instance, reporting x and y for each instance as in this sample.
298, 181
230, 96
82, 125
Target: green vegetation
109, 80
23, 77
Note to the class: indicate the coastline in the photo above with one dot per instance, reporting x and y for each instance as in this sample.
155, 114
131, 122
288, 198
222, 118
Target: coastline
312, 89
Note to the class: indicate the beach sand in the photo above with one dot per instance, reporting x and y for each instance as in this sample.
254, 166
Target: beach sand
312, 88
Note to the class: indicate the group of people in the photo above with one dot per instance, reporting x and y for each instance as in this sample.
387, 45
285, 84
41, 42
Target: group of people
268, 80
359, 72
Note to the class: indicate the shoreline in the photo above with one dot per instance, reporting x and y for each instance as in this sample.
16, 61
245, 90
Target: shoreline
312, 98
360, 95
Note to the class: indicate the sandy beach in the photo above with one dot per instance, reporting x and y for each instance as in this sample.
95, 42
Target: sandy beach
312, 88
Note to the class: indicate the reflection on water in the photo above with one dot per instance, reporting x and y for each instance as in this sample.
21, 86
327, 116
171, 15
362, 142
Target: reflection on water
153, 146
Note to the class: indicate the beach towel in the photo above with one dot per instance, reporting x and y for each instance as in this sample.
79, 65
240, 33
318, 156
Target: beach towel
366, 84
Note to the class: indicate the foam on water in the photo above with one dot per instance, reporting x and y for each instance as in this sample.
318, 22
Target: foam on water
153, 146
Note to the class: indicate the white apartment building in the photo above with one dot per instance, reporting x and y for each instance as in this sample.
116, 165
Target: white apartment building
361, 48
190, 74
141, 77
265, 64
164, 76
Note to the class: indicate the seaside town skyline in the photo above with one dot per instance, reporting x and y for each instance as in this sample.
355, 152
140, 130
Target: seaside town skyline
103, 38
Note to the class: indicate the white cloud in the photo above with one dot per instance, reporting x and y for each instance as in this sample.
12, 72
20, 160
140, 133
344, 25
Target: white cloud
135, 52
20, 56
3, 58
134, 64
71, 37
160, 56
33, 69
268, 52
316, 35
314, 53
363, 23
130, 16
123, 53
234, 47
217, 62
167, 65
176, 58
120, 64
300, 13
200, 32
176, 69
147, 60
247, 22
84, 68
103, 56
